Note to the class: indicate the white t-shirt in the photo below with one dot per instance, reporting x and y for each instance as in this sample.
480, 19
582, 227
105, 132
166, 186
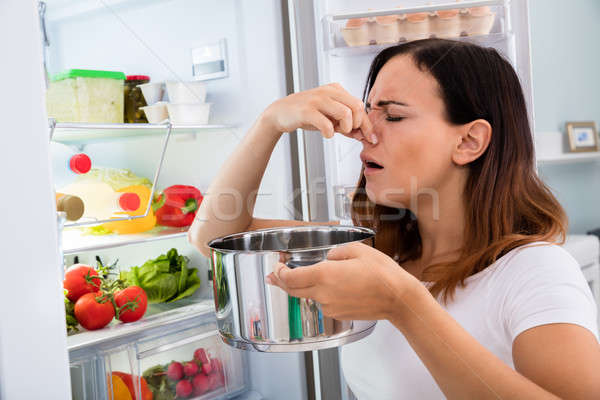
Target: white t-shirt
527, 287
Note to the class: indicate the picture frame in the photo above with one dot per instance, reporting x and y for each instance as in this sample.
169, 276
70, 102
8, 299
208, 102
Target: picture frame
583, 136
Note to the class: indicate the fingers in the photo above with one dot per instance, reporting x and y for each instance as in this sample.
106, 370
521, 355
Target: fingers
350, 250
340, 113
359, 116
298, 278
305, 293
316, 119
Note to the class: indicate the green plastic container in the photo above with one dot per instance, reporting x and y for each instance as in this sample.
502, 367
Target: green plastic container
83, 95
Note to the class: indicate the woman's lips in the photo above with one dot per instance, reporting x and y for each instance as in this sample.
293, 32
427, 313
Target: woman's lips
372, 168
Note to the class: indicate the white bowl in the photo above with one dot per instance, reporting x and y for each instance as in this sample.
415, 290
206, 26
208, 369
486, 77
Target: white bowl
152, 91
186, 92
189, 113
156, 113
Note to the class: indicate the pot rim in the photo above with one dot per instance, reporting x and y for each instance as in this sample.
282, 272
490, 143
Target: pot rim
288, 228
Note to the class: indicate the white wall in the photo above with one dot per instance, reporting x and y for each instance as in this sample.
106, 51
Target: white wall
155, 38
33, 356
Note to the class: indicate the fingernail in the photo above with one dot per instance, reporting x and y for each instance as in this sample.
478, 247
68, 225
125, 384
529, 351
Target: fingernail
374, 139
269, 280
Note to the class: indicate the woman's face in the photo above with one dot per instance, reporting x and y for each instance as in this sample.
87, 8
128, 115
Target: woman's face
415, 142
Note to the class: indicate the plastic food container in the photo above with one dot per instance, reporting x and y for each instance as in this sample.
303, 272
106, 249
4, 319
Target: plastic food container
189, 113
186, 92
356, 32
477, 21
446, 24
152, 91
156, 113
134, 100
80, 95
386, 29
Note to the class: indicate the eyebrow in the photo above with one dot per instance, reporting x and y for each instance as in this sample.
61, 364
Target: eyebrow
382, 103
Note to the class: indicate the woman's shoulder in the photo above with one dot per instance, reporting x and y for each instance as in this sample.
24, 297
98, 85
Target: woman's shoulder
536, 256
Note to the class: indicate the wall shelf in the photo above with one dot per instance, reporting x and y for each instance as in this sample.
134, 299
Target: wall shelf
568, 158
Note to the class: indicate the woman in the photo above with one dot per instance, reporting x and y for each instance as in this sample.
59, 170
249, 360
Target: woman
484, 304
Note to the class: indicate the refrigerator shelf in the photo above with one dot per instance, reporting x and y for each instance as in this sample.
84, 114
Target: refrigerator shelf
74, 240
79, 134
353, 51
159, 318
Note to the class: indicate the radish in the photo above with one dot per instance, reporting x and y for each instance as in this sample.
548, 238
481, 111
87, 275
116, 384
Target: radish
201, 356
190, 368
201, 384
175, 371
206, 368
183, 389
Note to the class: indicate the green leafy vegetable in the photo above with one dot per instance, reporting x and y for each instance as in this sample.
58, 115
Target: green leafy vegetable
165, 278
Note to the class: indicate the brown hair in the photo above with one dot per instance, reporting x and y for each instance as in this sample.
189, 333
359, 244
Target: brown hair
506, 202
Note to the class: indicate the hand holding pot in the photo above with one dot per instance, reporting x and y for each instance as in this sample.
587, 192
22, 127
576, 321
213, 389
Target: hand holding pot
355, 282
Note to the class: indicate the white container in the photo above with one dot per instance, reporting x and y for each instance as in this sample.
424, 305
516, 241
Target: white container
386, 29
152, 91
186, 92
189, 113
417, 26
477, 21
156, 113
356, 32
446, 24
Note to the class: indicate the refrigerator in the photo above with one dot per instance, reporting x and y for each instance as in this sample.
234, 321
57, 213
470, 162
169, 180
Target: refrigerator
267, 49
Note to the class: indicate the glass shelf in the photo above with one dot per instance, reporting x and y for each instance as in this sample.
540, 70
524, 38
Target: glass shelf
567, 158
156, 318
76, 240
85, 133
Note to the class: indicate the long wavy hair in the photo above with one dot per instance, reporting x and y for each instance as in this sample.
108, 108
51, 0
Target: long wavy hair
506, 203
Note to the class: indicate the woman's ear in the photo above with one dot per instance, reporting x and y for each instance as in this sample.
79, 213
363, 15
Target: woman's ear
473, 139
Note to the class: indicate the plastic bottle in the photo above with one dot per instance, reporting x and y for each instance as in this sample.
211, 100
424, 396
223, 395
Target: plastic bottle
139, 224
72, 205
67, 164
101, 200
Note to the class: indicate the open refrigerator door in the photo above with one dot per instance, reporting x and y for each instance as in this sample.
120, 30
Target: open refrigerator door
336, 41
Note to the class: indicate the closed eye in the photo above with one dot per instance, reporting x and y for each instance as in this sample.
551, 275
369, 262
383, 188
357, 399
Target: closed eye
393, 119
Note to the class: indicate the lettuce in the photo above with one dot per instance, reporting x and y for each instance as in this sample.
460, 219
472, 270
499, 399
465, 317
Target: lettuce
165, 278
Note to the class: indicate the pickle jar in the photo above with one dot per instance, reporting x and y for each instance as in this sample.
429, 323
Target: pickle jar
134, 99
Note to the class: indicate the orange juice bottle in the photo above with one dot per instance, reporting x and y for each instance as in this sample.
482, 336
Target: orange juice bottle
135, 225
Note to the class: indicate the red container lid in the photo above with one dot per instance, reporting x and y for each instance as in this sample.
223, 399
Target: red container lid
80, 163
129, 202
138, 78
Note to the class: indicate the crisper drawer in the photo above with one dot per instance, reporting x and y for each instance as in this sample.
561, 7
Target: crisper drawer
192, 363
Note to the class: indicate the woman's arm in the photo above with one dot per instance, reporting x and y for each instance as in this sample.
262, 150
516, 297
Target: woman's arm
229, 202
359, 282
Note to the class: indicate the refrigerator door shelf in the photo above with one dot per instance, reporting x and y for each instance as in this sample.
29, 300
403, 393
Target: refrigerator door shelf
378, 29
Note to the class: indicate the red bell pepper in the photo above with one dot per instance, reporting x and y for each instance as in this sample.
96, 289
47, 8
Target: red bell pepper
177, 205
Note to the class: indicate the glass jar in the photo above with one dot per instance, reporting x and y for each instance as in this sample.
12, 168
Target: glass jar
134, 99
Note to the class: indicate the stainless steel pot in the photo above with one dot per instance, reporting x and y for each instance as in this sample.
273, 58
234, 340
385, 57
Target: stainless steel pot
253, 315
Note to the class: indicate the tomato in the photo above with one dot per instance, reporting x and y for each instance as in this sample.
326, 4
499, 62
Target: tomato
132, 303
91, 313
79, 281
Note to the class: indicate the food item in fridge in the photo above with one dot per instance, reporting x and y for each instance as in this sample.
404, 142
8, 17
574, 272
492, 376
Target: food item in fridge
117, 178
177, 205
71, 321
153, 92
190, 369
67, 165
100, 200
186, 92
201, 356
387, 29
135, 225
201, 384
131, 303
72, 206
119, 389
156, 113
80, 95
134, 99
416, 26
184, 389
189, 113
165, 278
94, 310
79, 280
128, 379
477, 21
175, 371
446, 24
356, 32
